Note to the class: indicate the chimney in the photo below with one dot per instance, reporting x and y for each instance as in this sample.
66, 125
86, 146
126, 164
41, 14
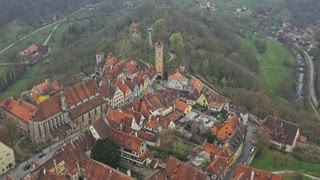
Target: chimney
157, 120
122, 81
44, 171
121, 127
129, 172
252, 175
136, 133
281, 124
55, 165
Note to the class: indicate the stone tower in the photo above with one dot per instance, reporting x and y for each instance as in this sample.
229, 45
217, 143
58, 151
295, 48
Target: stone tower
99, 56
159, 58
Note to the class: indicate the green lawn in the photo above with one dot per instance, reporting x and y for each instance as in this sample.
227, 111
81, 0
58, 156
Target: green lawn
266, 162
27, 81
272, 69
12, 32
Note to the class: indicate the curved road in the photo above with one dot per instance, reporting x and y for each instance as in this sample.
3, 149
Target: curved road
311, 79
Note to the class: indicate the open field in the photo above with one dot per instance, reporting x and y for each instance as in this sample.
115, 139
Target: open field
272, 68
268, 161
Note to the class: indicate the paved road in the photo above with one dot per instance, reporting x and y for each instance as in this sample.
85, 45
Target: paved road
311, 79
18, 172
245, 154
17, 148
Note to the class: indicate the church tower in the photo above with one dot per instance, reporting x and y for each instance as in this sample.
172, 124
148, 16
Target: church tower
159, 58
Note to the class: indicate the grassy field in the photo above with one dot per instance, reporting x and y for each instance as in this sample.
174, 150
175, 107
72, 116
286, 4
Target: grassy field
265, 161
272, 69
12, 32
25, 83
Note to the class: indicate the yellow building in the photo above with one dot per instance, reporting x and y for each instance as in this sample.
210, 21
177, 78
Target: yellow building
159, 58
7, 159
202, 100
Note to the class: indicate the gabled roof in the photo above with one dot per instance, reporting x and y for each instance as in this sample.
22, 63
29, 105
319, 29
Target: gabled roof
125, 140
100, 125
253, 174
147, 136
218, 166
181, 106
158, 175
194, 95
86, 107
123, 87
280, 130
81, 91
48, 108
108, 90
130, 84
178, 76
131, 67
32, 48
178, 170
47, 87
111, 61
212, 150
47, 175
99, 52
23, 110
120, 117
197, 84
235, 140
217, 101
95, 170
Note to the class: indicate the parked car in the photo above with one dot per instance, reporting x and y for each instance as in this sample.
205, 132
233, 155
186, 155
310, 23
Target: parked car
41, 155
27, 166
196, 115
252, 150
207, 121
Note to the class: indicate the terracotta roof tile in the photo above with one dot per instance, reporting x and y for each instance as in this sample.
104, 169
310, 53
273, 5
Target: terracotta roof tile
23, 110
81, 91
254, 174
48, 88
194, 95
178, 170
95, 170
212, 150
178, 76
131, 67
100, 125
197, 84
302, 139
158, 175
180, 105
48, 108
47, 175
120, 117
125, 140
218, 166
111, 61
147, 136
123, 87
280, 130
108, 90
32, 48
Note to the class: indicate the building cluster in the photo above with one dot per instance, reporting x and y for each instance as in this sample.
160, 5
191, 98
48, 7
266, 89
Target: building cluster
34, 52
7, 158
135, 31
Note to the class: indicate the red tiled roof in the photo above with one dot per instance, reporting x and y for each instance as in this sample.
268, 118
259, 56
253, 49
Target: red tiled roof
120, 117
254, 174
32, 48
218, 166
178, 170
197, 84
95, 170
131, 67
111, 61
151, 123
212, 150
86, 107
280, 130
47, 175
147, 136
180, 105
81, 91
124, 88
48, 108
158, 175
178, 76
125, 140
108, 90
302, 139
47, 87
23, 110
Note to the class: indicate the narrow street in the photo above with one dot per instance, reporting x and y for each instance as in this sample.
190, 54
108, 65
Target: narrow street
18, 172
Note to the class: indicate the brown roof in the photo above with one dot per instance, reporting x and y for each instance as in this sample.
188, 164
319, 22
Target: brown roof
280, 130
99, 52
178, 170
151, 123
47, 175
108, 90
86, 107
180, 105
253, 174
158, 175
212, 150
81, 91
218, 166
48, 108
100, 126
194, 95
147, 136
60, 130
23, 110
125, 140
130, 84
111, 61
95, 170
131, 67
